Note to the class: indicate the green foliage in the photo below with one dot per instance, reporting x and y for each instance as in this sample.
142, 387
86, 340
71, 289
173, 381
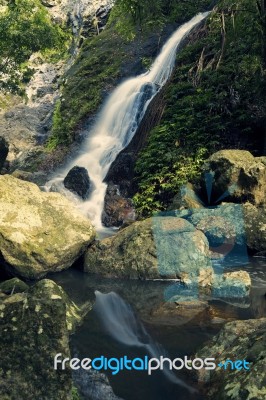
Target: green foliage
75, 393
132, 17
157, 189
57, 123
216, 99
25, 28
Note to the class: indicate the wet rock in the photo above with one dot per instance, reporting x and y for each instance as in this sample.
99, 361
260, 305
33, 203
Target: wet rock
78, 182
12, 286
39, 232
180, 312
4, 148
231, 285
34, 329
238, 340
117, 209
121, 173
238, 176
165, 247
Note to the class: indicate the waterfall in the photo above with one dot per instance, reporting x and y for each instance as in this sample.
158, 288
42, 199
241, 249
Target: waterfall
119, 321
118, 122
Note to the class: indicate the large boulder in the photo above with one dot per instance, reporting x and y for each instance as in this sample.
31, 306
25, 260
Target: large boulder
4, 148
230, 227
117, 209
167, 247
255, 227
39, 232
78, 182
238, 177
33, 330
238, 340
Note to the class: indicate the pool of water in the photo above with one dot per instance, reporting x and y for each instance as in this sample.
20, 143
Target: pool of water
179, 332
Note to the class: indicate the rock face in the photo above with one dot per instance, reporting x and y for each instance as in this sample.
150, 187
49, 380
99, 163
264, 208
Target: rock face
78, 182
238, 176
186, 199
238, 340
39, 232
121, 172
168, 247
3, 151
117, 209
33, 330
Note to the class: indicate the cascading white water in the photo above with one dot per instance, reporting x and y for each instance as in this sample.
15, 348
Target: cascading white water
118, 122
119, 320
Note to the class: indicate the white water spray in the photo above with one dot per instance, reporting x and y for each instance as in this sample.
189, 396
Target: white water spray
117, 124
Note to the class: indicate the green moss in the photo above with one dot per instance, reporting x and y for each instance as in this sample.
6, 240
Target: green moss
215, 100
75, 393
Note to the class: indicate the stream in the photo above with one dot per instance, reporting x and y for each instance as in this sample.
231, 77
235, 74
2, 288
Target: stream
160, 326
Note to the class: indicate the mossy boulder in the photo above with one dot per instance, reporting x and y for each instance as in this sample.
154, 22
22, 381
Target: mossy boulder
39, 232
12, 286
74, 314
238, 340
255, 227
167, 247
238, 176
34, 328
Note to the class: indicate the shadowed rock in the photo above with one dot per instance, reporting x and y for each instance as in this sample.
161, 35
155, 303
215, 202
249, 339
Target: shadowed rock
78, 182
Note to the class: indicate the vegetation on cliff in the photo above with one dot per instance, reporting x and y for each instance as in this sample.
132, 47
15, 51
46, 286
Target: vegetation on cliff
25, 28
216, 99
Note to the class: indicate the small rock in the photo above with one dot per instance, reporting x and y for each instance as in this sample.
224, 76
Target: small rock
117, 209
78, 182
